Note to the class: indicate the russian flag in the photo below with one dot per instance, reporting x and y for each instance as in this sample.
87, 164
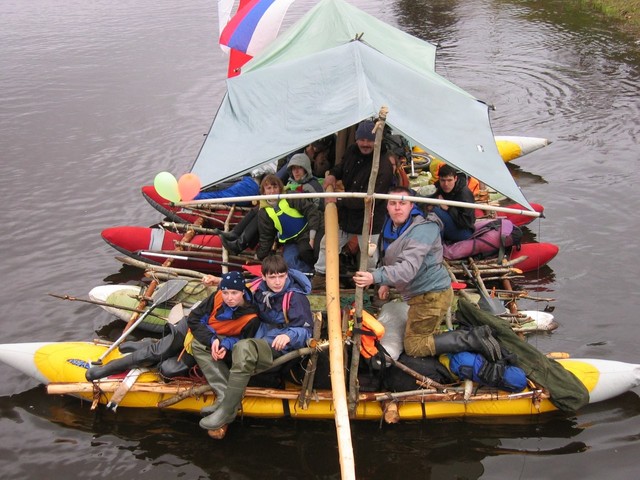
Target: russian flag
255, 25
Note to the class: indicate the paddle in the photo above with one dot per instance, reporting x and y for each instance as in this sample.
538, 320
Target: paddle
163, 293
486, 303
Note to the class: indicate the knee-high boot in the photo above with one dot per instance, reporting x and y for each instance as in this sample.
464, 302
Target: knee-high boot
146, 356
249, 355
478, 339
216, 373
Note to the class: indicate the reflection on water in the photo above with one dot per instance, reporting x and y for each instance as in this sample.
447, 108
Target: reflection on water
96, 101
435, 448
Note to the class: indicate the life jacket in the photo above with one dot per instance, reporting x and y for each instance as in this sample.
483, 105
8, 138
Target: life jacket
490, 237
288, 221
371, 332
228, 328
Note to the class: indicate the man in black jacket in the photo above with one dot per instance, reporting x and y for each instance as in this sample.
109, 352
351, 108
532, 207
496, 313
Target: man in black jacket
458, 222
354, 171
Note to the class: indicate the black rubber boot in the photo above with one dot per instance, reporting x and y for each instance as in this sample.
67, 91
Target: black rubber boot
478, 339
232, 246
229, 236
147, 356
172, 367
133, 345
236, 246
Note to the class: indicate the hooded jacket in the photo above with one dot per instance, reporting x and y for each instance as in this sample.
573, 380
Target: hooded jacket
298, 324
413, 262
308, 183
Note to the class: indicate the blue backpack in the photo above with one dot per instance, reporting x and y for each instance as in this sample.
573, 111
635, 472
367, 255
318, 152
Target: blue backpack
473, 366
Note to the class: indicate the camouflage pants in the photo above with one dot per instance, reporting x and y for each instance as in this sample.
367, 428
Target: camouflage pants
426, 313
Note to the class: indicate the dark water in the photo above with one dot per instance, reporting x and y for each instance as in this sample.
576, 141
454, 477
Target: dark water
97, 97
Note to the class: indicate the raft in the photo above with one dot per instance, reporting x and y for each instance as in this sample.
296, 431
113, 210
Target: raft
62, 366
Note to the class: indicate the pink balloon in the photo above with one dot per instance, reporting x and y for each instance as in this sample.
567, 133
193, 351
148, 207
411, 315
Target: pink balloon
189, 186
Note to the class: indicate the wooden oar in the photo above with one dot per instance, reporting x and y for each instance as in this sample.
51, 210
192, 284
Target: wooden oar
164, 292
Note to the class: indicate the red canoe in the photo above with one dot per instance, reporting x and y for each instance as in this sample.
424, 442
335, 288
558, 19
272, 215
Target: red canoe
178, 214
517, 219
133, 240
538, 254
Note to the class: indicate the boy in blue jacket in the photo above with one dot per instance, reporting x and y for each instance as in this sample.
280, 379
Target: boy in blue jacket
286, 324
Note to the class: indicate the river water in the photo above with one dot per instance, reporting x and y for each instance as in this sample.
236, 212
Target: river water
98, 97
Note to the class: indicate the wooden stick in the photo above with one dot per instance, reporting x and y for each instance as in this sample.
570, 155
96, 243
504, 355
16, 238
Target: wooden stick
378, 196
186, 227
96, 302
310, 373
179, 387
364, 261
422, 380
159, 268
336, 354
197, 247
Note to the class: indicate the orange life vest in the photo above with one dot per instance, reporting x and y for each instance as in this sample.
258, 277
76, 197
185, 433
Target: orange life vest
371, 331
227, 327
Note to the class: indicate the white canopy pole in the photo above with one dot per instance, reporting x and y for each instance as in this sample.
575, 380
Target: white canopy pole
381, 196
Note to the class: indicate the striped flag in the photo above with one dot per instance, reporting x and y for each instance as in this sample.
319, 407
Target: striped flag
224, 14
254, 25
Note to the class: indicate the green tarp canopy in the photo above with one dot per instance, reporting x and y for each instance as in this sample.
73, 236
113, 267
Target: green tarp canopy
316, 80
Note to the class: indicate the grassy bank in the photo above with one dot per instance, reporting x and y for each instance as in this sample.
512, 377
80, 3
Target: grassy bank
626, 12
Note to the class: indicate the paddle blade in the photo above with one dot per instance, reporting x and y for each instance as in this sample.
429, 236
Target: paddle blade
176, 314
255, 270
168, 290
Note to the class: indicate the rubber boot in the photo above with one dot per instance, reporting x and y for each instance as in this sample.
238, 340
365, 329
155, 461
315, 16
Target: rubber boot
114, 367
174, 367
147, 356
227, 411
235, 246
249, 356
478, 339
133, 345
229, 236
216, 373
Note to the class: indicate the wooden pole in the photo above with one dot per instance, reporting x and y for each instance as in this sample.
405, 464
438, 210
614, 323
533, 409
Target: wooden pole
364, 261
336, 357
377, 196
